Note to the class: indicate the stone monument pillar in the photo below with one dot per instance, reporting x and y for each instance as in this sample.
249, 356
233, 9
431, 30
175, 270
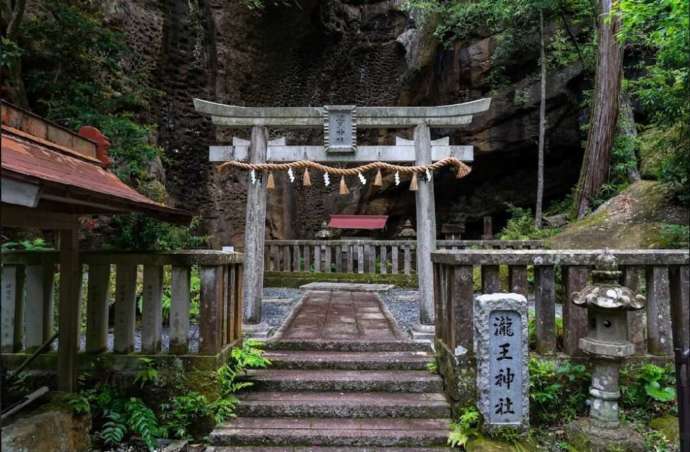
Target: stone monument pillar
500, 322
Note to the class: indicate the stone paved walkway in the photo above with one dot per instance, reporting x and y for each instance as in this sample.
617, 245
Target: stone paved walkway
342, 378
348, 316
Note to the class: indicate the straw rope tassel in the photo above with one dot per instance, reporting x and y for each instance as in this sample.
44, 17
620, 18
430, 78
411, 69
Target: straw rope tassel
343, 186
378, 180
413, 183
271, 184
306, 180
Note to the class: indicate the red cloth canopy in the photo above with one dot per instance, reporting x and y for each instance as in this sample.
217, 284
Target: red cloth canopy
358, 221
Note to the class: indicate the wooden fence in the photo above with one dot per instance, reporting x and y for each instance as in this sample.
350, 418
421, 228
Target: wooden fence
662, 274
28, 280
364, 256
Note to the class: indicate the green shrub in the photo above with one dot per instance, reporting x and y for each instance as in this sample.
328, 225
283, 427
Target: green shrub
674, 236
520, 226
558, 391
648, 390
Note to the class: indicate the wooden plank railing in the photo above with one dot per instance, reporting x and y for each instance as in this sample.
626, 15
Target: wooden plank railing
28, 297
663, 274
364, 256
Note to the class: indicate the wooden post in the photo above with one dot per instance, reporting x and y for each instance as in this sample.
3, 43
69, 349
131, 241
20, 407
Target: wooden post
574, 317
371, 255
517, 276
360, 259
637, 326
296, 258
97, 308
384, 260
153, 313
488, 229
33, 306
12, 291
545, 309
48, 300
426, 227
125, 307
327, 259
679, 277
254, 233
307, 258
339, 258
660, 341
70, 285
179, 309
491, 279
680, 309
317, 258
394, 259
350, 259
462, 300
209, 309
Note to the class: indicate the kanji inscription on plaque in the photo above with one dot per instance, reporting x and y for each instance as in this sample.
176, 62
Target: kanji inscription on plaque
501, 352
340, 128
505, 373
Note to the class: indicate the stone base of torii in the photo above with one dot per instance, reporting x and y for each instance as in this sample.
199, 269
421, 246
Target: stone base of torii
340, 124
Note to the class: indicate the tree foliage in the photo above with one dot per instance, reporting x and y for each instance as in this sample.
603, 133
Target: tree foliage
658, 30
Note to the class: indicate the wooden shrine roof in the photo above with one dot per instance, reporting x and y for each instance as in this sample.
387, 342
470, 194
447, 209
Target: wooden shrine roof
68, 172
358, 221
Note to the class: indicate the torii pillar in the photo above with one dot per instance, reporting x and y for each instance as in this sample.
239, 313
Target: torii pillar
340, 125
426, 237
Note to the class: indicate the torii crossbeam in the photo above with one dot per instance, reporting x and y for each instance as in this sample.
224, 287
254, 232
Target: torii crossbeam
340, 124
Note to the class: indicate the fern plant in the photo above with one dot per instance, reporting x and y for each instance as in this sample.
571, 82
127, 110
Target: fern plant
142, 421
466, 428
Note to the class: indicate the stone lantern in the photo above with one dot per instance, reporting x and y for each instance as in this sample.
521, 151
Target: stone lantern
607, 344
324, 233
407, 231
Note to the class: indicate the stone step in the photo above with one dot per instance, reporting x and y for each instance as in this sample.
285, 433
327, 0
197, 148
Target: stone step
324, 449
347, 346
412, 360
343, 405
332, 432
346, 380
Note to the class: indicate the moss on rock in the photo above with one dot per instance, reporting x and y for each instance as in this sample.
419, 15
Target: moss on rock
632, 219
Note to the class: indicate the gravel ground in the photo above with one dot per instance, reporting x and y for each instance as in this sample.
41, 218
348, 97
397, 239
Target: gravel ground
403, 304
275, 313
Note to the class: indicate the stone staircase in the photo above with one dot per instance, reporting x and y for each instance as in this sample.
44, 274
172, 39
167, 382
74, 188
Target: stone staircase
340, 395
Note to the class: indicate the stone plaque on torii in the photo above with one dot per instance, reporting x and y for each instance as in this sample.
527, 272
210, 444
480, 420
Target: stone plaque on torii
340, 124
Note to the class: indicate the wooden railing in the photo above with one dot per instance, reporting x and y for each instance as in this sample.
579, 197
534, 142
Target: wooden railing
663, 275
364, 256
28, 280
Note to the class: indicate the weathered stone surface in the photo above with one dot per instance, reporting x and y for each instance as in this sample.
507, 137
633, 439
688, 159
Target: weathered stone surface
584, 436
501, 352
49, 431
347, 287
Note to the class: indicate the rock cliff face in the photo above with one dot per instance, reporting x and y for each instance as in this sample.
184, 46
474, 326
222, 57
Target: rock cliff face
337, 52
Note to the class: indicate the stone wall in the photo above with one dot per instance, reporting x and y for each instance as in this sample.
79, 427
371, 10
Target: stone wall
336, 52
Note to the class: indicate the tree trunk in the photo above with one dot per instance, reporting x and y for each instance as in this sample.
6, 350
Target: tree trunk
542, 128
626, 128
602, 123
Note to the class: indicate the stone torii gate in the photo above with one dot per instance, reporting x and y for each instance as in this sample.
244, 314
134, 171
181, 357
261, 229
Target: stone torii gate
340, 125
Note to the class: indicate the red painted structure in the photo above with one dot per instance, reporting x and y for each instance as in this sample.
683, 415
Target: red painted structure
358, 222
